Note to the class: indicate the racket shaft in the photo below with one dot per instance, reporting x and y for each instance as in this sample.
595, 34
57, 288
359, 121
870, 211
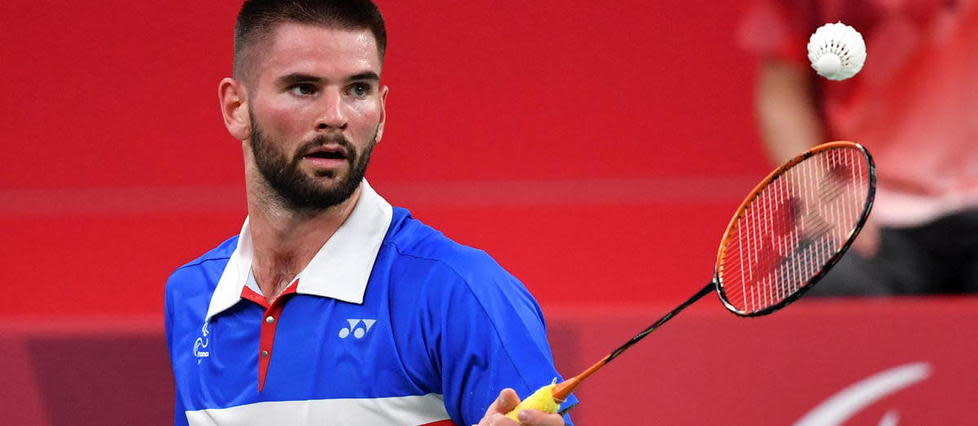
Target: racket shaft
563, 389
703, 292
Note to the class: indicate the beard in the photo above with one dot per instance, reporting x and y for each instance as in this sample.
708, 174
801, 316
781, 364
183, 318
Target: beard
297, 190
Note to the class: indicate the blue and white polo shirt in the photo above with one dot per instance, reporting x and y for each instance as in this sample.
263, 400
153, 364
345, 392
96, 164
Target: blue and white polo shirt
391, 323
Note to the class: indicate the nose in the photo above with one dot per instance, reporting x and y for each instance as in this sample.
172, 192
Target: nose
332, 116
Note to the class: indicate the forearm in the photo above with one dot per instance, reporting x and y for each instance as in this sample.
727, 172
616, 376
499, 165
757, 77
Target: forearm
787, 113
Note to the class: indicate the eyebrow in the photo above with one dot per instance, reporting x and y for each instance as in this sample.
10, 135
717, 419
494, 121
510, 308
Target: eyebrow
366, 75
298, 77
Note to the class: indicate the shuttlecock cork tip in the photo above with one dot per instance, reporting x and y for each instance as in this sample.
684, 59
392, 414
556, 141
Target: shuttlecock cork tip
828, 66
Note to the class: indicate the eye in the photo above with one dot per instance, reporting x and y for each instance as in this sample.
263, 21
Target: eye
303, 89
359, 90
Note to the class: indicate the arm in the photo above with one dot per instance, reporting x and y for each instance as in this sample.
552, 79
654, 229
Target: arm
179, 415
790, 123
786, 109
490, 337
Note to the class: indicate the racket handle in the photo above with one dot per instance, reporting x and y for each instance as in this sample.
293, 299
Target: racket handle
548, 398
541, 400
563, 389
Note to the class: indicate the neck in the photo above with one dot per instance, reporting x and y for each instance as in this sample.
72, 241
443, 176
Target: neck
285, 241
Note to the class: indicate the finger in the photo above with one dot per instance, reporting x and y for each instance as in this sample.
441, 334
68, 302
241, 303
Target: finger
506, 401
868, 242
498, 419
539, 418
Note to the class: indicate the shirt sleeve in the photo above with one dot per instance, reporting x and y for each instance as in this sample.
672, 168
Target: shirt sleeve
179, 413
492, 337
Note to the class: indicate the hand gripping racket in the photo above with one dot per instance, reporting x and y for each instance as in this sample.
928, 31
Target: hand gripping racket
789, 231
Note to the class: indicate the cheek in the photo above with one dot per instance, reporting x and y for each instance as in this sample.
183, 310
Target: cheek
288, 121
368, 114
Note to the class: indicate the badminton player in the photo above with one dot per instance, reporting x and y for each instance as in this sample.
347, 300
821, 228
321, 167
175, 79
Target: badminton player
331, 306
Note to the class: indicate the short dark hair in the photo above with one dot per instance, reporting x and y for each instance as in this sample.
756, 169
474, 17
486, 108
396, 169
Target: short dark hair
258, 18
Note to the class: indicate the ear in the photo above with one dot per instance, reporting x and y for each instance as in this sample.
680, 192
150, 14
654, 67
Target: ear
234, 107
383, 113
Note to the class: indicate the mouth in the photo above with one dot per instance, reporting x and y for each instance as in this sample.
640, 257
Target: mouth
331, 152
327, 158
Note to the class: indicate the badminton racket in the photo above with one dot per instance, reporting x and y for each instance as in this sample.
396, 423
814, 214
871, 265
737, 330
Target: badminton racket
789, 231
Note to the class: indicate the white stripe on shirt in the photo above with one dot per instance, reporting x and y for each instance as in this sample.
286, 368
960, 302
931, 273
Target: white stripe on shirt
404, 410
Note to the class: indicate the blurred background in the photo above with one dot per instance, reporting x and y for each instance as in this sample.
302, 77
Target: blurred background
595, 151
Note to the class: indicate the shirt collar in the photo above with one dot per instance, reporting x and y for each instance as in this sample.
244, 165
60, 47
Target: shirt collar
339, 270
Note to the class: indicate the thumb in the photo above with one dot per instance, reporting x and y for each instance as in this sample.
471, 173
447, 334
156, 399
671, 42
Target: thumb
535, 417
505, 402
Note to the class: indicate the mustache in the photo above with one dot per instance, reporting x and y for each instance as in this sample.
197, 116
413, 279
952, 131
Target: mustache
323, 140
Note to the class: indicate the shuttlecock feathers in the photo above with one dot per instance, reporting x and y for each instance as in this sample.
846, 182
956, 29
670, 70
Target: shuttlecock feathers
837, 51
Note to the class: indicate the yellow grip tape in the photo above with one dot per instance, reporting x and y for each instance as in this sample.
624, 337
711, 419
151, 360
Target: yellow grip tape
541, 400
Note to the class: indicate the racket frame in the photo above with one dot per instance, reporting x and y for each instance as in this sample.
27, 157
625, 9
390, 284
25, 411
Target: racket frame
563, 390
774, 175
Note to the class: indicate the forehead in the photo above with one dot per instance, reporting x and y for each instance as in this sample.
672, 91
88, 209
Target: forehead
317, 50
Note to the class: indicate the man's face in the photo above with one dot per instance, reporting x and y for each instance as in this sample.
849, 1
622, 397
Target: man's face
317, 110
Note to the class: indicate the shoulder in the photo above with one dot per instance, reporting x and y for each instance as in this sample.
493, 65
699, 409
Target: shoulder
418, 243
206, 268
445, 271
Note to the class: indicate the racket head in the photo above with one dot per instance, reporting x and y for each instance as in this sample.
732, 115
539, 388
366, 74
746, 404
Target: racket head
793, 227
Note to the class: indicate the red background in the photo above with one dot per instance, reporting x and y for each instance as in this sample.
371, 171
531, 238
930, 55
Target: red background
595, 151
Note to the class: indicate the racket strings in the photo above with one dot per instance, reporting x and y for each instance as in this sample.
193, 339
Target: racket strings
792, 228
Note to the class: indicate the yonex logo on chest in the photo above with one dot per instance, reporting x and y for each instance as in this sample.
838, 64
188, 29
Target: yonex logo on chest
357, 327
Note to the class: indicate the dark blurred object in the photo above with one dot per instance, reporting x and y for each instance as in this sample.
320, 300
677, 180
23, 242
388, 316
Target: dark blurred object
84, 372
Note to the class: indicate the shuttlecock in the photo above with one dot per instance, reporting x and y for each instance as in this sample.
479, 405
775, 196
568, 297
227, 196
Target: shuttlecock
837, 51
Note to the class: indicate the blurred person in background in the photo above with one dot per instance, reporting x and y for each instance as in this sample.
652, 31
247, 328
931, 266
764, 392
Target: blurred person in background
914, 105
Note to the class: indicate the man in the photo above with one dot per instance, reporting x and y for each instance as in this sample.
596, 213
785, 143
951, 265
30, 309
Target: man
331, 306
